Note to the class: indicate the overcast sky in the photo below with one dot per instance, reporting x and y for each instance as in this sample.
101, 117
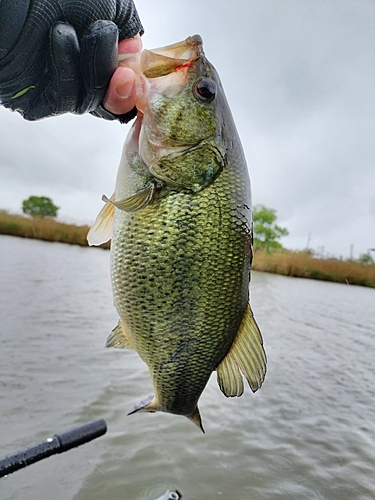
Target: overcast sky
300, 79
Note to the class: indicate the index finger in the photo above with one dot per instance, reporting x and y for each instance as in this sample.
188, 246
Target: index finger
121, 94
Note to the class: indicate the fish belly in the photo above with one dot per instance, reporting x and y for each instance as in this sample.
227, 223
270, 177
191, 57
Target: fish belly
180, 273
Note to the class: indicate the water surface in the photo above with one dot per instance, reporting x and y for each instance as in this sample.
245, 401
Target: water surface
309, 433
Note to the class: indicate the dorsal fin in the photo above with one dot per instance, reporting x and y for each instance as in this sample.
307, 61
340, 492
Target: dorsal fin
102, 228
246, 356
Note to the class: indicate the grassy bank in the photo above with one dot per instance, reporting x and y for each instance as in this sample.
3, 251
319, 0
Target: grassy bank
303, 265
44, 229
286, 262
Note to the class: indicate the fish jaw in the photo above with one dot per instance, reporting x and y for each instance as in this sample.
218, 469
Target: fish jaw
163, 60
150, 65
172, 61
186, 49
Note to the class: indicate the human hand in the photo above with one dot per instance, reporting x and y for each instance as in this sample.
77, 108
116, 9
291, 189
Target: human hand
121, 94
58, 57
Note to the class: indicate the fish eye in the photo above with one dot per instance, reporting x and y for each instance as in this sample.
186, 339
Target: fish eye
205, 90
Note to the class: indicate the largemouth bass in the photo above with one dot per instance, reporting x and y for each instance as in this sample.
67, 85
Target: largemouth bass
181, 227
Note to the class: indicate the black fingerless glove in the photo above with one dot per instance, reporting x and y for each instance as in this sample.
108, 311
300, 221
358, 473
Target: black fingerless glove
59, 56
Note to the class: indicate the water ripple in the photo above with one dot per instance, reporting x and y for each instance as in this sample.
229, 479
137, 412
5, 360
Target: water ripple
309, 433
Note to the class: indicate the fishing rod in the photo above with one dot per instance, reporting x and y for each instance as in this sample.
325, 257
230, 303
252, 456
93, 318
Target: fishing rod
58, 443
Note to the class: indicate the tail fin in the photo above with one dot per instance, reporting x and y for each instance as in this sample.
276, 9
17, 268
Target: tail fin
195, 417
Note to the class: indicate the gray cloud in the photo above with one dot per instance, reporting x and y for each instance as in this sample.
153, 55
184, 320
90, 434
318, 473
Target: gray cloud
300, 79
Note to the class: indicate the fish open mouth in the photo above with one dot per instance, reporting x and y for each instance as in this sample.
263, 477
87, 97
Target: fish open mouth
163, 69
162, 61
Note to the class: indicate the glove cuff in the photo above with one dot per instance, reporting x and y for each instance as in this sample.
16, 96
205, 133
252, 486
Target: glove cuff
101, 112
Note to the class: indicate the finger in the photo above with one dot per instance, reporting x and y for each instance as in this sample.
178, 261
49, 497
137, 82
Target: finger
98, 62
122, 92
130, 46
63, 67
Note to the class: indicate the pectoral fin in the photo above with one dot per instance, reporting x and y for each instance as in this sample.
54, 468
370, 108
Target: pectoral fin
102, 229
246, 357
137, 201
119, 338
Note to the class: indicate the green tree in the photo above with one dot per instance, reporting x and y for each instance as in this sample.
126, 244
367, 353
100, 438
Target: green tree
366, 258
266, 231
39, 206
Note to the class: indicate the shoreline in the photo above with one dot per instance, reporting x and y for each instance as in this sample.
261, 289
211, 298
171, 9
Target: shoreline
283, 261
301, 264
45, 229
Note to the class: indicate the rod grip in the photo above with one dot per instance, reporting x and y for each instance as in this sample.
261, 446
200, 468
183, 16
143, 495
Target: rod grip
58, 443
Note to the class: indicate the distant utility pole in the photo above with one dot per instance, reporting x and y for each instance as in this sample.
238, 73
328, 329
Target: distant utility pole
308, 241
351, 251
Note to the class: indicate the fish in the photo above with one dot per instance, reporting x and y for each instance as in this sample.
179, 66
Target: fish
180, 224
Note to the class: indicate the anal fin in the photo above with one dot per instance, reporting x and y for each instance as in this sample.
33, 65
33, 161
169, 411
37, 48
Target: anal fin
245, 357
119, 338
148, 404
